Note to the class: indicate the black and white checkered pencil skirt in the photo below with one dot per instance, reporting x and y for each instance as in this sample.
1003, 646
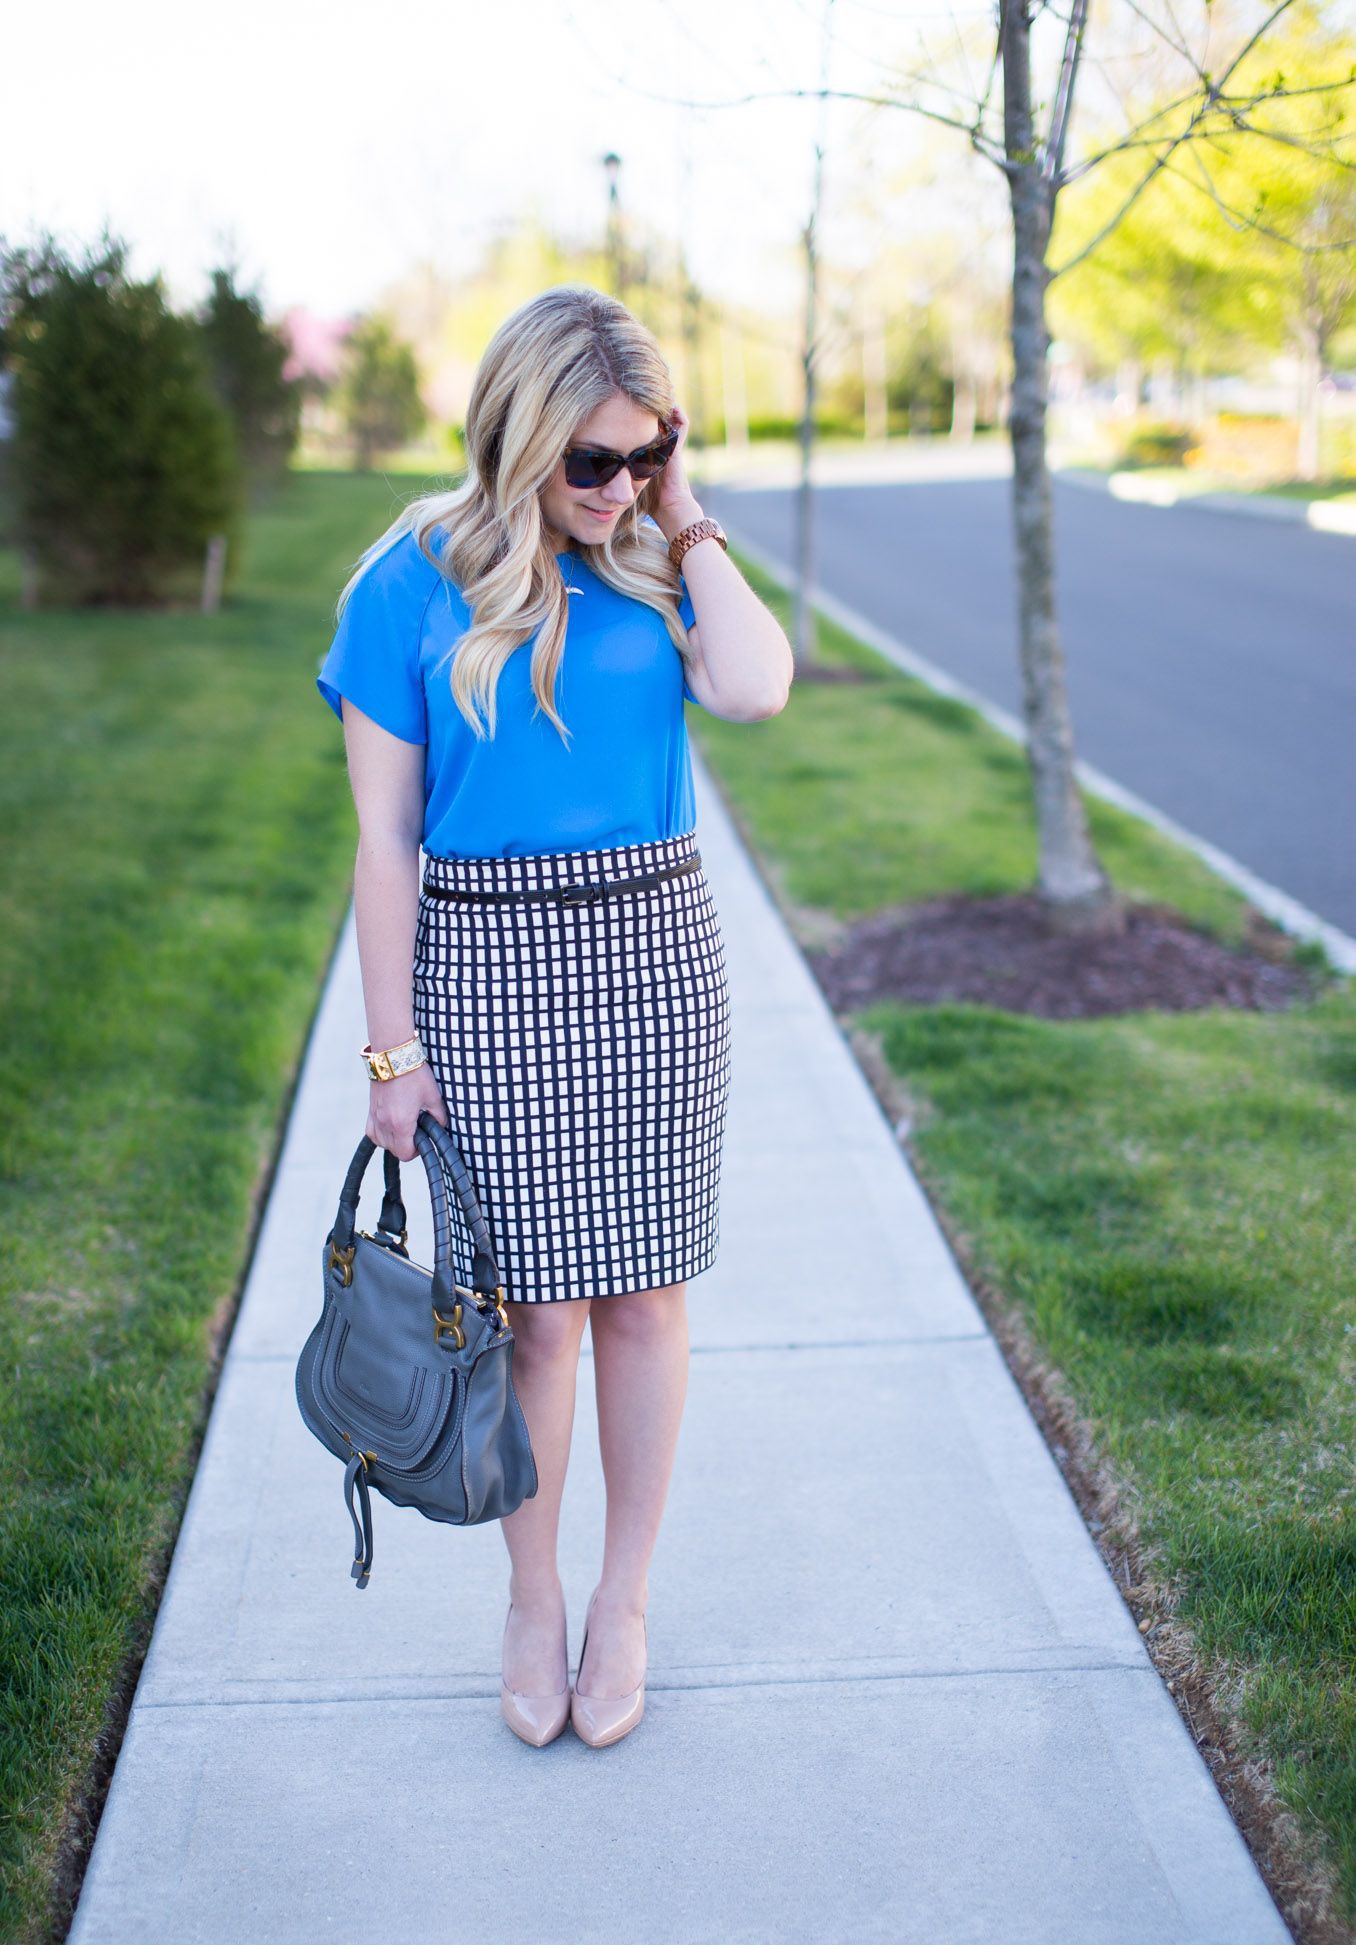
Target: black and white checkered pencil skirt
583, 1051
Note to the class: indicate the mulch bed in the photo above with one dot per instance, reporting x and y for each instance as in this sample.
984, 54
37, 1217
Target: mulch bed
1005, 952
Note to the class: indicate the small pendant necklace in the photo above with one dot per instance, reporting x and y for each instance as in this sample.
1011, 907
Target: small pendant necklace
568, 576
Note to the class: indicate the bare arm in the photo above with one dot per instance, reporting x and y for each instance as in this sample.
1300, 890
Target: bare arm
387, 778
741, 663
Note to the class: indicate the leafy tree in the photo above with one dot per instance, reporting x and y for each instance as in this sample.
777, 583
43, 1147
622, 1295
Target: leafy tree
1257, 254
1158, 287
1283, 203
377, 392
246, 356
919, 383
1014, 107
123, 460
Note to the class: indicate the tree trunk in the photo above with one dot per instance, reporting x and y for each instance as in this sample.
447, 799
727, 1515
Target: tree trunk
692, 360
875, 374
1072, 882
1197, 408
803, 627
804, 633
1129, 384
734, 403
962, 427
1309, 403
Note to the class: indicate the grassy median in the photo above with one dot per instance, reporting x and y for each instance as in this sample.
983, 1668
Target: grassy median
1157, 1210
181, 840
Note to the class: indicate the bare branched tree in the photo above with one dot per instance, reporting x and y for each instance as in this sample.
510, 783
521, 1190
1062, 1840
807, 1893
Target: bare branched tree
803, 623
1217, 104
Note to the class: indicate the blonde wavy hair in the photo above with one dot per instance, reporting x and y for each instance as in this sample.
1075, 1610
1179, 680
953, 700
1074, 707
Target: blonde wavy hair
554, 361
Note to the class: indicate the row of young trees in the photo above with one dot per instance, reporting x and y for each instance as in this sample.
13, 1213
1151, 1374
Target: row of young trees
140, 435
1219, 88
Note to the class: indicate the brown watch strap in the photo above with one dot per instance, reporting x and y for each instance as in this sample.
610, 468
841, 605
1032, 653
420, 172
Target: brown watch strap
703, 529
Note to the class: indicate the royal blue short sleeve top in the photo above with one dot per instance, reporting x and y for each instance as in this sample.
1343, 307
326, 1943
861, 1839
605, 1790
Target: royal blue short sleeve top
624, 778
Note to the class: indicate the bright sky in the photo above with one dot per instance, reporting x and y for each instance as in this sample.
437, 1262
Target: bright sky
336, 144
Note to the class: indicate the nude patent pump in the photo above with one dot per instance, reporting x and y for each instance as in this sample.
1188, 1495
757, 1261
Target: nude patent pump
538, 1719
601, 1719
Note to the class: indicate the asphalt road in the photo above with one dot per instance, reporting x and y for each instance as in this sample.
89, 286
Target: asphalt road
1211, 657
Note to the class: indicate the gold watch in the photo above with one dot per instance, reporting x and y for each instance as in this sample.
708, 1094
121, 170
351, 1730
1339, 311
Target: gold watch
392, 1061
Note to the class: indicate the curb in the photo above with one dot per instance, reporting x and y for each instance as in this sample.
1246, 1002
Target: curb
1323, 516
1278, 905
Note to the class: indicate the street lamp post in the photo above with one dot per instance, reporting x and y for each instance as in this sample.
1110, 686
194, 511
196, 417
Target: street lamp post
615, 251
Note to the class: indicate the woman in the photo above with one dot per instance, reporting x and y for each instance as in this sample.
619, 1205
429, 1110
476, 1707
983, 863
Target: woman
576, 1046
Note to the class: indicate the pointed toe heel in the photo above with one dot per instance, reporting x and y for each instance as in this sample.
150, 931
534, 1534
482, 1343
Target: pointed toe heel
602, 1719
538, 1719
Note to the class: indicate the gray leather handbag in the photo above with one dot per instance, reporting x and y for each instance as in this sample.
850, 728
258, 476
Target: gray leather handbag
407, 1383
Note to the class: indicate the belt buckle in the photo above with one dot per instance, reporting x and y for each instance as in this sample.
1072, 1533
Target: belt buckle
580, 894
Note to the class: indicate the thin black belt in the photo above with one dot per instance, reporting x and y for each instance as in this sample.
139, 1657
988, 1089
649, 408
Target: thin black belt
575, 894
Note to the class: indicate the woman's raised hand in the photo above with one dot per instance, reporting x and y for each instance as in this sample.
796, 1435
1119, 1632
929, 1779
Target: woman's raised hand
675, 489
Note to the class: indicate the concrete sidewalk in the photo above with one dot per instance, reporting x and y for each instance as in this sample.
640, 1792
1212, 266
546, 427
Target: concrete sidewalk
893, 1693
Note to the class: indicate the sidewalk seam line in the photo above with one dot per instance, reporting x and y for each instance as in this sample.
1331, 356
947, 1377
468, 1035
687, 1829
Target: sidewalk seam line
725, 1350
351, 1698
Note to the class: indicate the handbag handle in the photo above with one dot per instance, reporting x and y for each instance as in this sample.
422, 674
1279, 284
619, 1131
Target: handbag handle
391, 1221
438, 1151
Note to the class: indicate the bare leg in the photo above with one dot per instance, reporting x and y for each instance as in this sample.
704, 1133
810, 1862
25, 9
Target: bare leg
640, 1356
545, 1368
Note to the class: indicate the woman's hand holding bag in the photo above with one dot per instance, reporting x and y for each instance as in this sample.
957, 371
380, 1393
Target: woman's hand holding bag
396, 1106
408, 1376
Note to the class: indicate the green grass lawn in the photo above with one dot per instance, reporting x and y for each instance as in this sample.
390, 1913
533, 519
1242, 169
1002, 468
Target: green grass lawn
1163, 1200
183, 866
1159, 1205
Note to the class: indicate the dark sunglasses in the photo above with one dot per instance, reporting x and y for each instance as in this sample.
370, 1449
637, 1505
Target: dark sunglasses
595, 466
